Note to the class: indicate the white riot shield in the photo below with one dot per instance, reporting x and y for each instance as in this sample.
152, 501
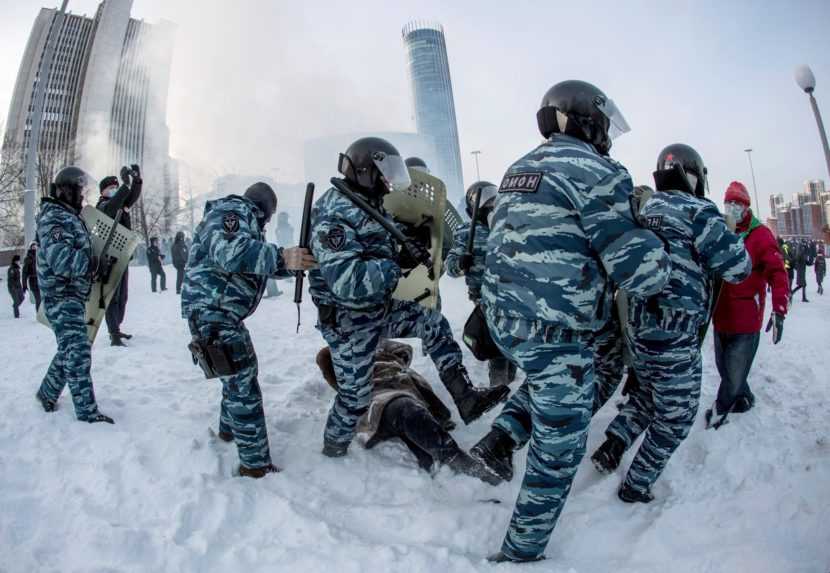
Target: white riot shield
422, 204
119, 252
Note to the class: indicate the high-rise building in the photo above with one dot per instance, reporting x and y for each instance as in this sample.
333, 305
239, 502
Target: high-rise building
814, 189
775, 203
105, 96
432, 97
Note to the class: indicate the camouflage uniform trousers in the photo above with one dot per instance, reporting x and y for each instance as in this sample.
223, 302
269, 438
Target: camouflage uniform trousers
609, 362
241, 413
664, 406
353, 337
551, 411
72, 362
607, 345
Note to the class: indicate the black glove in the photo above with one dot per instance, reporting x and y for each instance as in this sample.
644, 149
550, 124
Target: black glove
465, 262
406, 259
125, 175
776, 324
136, 170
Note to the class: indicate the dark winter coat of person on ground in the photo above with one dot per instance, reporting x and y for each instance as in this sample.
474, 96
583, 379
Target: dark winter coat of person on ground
820, 267
154, 261
15, 285
739, 313
404, 406
115, 202
30, 273
179, 255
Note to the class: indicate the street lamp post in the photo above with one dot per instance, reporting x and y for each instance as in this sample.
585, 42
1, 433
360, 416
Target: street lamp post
475, 154
807, 81
748, 152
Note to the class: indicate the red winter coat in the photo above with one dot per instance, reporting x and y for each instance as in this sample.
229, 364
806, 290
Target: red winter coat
740, 308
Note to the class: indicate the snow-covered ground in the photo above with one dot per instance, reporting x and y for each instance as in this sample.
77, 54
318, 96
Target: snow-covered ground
155, 492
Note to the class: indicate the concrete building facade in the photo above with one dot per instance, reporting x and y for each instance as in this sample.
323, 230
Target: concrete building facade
106, 96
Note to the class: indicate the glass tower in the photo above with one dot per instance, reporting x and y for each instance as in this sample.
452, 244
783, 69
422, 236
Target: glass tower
429, 74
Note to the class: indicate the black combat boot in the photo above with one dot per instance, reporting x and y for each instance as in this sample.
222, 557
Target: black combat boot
495, 451
124, 335
471, 402
48, 405
502, 558
631, 495
97, 418
334, 450
608, 456
257, 473
463, 463
115, 340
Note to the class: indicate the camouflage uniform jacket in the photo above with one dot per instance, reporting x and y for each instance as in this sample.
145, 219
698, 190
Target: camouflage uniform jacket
701, 248
356, 255
230, 261
65, 252
563, 227
475, 276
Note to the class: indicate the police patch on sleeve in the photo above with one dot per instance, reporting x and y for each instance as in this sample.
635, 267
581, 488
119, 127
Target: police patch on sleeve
336, 238
521, 182
231, 222
56, 234
654, 223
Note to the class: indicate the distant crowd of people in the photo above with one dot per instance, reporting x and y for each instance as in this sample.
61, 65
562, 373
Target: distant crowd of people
798, 255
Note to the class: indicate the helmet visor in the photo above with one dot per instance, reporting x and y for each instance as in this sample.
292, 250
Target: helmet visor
617, 125
393, 170
488, 195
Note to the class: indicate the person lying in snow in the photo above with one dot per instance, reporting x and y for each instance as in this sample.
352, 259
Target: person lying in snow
404, 406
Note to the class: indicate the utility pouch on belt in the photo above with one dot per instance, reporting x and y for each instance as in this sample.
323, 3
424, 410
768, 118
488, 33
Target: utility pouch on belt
213, 357
477, 336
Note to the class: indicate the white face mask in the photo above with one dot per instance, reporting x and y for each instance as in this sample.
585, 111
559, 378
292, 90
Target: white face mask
735, 210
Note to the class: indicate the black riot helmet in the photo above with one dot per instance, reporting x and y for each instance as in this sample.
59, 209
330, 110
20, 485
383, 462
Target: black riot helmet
263, 197
417, 163
581, 110
70, 186
681, 168
374, 165
487, 202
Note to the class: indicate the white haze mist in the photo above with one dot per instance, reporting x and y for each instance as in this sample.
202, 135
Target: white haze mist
252, 79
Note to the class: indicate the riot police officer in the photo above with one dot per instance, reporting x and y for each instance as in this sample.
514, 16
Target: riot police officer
470, 265
665, 329
360, 265
562, 227
66, 267
228, 267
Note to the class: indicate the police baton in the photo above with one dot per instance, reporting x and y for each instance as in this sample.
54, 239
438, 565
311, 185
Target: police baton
305, 238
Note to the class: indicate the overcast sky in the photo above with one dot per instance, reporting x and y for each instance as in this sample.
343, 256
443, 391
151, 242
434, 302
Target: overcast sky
252, 79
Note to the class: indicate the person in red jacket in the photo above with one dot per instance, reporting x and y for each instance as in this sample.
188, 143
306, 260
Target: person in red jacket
739, 311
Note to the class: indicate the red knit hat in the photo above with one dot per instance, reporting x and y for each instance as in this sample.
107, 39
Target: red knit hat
737, 193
